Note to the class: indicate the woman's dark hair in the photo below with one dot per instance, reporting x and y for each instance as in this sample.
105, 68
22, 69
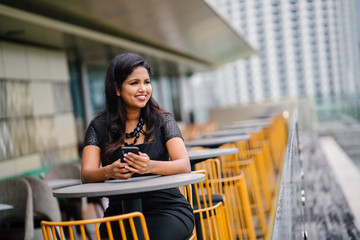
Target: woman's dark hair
119, 69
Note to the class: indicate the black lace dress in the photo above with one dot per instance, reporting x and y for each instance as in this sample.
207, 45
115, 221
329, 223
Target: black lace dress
168, 214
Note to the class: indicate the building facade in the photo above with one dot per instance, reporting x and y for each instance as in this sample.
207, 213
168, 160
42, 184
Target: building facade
304, 49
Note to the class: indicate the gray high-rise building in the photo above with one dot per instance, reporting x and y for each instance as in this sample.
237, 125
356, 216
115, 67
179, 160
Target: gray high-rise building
306, 48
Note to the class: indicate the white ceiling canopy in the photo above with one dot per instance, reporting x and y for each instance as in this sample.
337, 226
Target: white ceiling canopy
189, 29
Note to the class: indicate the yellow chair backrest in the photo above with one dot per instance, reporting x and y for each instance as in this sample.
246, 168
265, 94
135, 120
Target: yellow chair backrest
236, 199
59, 230
187, 192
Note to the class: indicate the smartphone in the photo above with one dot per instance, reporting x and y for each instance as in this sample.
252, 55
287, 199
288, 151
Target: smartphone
119, 153
127, 149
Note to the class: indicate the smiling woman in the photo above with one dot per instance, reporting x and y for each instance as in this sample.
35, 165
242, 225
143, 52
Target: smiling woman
132, 117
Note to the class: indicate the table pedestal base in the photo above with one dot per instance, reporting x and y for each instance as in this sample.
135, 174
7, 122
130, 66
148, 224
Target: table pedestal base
133, 205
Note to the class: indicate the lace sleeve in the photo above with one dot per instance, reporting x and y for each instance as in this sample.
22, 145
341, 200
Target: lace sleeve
170, 129
91, 136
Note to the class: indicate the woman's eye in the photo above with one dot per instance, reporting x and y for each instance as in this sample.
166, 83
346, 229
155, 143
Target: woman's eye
133, 83
147, 82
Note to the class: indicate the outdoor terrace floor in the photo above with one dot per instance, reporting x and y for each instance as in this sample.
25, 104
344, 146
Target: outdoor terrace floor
329, 207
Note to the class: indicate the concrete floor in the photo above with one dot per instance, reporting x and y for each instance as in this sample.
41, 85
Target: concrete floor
346, 172
331, 209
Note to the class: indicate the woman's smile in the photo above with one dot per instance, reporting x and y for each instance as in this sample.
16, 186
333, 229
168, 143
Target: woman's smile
141, 97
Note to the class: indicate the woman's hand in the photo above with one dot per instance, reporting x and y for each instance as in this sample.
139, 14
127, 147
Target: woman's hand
140, 164
118, 170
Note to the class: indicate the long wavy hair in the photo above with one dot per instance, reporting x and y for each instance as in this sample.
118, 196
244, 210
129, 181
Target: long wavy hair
119, 69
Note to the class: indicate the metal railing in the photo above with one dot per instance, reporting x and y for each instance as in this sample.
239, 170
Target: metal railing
289, 221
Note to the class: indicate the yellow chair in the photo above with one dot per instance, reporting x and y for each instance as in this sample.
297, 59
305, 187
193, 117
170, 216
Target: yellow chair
232, 166
269, 163
266, 194
187, 192
256, 202
58, 230
243, 146
276, 134
259, 143
236, 199
212, 217
252, 149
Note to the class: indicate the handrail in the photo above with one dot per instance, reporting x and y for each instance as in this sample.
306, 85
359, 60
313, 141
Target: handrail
291, 196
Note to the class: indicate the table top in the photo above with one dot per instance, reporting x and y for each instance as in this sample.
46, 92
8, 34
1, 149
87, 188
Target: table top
253, 120
4, 206
215, 142
264, 123
270, 113
231, 132
60, 183
195, 155
128, 187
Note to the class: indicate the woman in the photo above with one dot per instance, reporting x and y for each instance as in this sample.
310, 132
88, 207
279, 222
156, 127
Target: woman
132, 117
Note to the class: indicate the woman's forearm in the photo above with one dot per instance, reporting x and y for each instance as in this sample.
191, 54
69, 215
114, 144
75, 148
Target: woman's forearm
90, 166
94, 175
170, 167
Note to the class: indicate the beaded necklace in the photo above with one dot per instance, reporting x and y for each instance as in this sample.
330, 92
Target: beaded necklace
136, 132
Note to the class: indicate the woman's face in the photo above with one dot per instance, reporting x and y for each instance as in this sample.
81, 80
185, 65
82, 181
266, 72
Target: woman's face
136, 89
